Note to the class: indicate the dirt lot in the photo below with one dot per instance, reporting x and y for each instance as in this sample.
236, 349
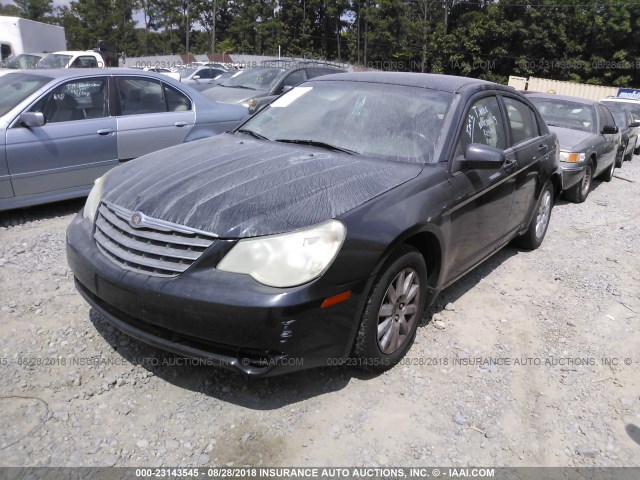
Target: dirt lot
532, 359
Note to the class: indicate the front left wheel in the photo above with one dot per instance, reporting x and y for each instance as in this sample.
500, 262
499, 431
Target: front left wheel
393, 310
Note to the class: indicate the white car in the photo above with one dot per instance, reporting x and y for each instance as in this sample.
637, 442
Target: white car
72, 59
630, 104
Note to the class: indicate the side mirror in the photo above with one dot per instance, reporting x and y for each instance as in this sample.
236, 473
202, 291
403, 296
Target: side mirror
634, 124
196, 77
32, 119
286, 88
482, 156
609, 130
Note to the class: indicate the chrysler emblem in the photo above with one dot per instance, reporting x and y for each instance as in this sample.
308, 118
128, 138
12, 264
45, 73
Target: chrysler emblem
136, 218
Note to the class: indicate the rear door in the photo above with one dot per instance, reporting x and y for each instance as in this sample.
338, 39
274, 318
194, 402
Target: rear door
76, 145
529, 148
152, 115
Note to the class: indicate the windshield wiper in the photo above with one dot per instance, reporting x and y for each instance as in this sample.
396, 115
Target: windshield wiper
315, 143
238, 86
246, 131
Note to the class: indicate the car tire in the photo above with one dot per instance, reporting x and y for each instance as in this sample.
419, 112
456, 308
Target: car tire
619, 161
580, 191
628, 157
537, 229
607, 176
636, 151
387, 331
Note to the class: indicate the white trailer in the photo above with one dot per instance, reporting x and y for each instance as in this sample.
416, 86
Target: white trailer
19, 35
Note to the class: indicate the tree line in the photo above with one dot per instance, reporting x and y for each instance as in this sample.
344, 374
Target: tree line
588, 41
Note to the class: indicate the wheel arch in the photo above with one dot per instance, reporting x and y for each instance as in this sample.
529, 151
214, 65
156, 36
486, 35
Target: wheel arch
427, 239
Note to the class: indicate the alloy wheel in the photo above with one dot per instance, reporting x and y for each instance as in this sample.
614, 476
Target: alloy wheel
544, 212
399, 311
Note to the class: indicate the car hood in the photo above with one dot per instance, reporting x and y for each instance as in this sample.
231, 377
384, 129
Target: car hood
231, 94
237, 187
570, 139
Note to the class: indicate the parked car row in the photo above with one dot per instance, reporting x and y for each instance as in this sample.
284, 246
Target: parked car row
595, 138
320, 227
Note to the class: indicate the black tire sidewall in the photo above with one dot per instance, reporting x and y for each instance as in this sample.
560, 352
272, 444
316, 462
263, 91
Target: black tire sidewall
367, 349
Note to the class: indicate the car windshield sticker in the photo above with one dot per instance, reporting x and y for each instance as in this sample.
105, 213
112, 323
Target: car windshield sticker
290, 97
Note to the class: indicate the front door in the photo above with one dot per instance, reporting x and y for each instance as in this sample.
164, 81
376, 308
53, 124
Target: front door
482, 197
76, 145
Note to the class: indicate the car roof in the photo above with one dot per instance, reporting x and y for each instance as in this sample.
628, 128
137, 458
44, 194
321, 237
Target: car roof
81, 72
446, 83
620, 100
552, 96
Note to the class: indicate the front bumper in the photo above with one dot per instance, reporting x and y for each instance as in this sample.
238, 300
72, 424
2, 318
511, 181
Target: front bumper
227, 319
572, 173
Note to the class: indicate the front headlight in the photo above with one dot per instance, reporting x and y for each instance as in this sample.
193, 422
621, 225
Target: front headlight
93, 200
287, 259
572, 157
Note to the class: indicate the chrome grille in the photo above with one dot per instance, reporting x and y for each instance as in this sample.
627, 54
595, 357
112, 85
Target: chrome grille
152, 246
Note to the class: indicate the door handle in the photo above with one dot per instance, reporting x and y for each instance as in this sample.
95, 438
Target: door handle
105, 131
542, 148
180, 124
510, 165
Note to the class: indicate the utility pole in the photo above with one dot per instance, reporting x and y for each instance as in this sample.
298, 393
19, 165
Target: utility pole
213, 34
358, 30
446, 16
187, 52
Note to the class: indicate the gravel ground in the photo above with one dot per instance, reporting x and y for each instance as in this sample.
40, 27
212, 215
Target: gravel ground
560, 321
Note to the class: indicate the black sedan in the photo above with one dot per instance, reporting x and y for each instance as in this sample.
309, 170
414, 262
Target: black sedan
320, 230
590, 141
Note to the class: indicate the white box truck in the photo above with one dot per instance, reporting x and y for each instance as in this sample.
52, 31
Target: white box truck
20, 36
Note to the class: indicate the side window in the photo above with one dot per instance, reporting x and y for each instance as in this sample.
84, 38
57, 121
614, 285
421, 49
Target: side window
204, 73
295, 78
75, 100
176, 101
5, 51
605, 116
140, 95
482, 124
521, 120
86, 61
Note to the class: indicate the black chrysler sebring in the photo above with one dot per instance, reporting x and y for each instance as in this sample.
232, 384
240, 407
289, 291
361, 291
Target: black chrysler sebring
320, 230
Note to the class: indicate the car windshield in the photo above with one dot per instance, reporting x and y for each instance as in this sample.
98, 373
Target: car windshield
255, 78
15, 87
385, 121
23, 61
566, 114
54, 60
186, 72
634, 108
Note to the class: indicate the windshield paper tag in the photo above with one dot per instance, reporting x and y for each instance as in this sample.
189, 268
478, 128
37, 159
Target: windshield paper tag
290, 97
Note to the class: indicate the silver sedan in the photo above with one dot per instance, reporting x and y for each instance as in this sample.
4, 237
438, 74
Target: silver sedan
62, 129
